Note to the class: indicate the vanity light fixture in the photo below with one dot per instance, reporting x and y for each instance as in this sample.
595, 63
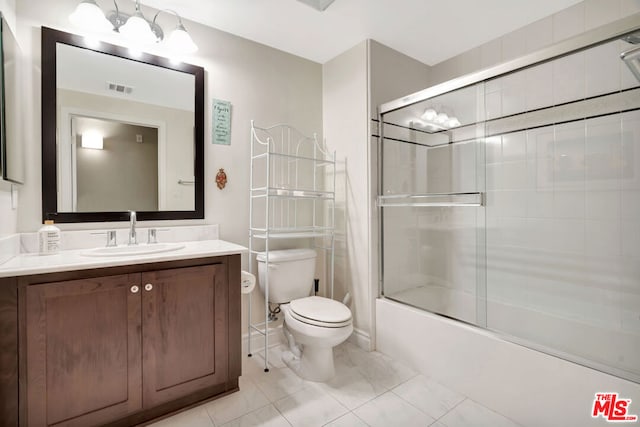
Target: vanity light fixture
92, 139
90, 17
136, 28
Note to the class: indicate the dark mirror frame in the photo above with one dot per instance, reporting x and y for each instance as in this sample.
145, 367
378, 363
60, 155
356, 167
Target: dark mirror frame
50, 38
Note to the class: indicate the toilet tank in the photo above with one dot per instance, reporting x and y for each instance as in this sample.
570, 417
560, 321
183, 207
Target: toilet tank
291, 274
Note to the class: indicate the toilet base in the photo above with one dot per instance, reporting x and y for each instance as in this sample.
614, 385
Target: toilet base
315, 364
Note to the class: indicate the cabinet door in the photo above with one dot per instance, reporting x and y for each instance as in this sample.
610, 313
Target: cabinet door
184, 323
83, 351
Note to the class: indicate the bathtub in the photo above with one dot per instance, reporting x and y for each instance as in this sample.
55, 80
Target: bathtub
532, 388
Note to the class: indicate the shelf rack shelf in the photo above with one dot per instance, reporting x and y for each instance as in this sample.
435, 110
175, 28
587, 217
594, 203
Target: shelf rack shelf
291, 197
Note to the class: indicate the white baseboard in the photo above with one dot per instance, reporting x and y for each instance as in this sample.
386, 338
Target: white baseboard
361, 338
275, 338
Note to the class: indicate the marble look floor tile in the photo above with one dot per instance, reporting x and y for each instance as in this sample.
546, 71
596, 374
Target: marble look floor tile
196, 417
310, 407
351, 388
472, 414
263, 417
348, 420
390, 410
237, 404
429, 396
279, 383
382, 371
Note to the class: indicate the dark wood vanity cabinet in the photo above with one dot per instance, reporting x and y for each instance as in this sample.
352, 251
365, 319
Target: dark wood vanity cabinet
124, 345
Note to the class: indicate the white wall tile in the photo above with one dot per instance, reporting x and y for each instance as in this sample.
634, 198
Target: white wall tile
631, 150
540, 204
569, 204
490, 53
493, 104
629, 7
603, 204
569, 164
602, 65
568, 22
568, 78
539, 34
514, 44
603, 153
569, 236
514, 175
514, 94
600, 12
603, 238
539, 86
514, 147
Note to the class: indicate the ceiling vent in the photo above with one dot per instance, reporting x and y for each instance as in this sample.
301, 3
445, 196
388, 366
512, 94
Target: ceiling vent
319, 5
120, 88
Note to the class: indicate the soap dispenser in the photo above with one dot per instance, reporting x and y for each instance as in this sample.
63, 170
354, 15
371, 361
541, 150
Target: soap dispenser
48, 238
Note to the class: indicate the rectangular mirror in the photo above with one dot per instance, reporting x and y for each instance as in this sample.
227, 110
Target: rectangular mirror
11, 138
119, 133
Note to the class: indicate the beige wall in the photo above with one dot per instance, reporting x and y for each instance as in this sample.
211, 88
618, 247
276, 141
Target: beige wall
354, 84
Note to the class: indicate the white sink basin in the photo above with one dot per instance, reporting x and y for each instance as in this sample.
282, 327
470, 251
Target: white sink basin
133, 250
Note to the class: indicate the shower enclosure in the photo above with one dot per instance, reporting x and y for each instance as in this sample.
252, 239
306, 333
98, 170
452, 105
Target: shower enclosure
510, 199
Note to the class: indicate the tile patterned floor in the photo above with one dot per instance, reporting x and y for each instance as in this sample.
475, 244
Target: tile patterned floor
369, 389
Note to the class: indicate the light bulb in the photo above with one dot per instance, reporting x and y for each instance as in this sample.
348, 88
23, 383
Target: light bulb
89, 16
453, 122
429, 114
441, 118
138, 30
92, 139
180, 41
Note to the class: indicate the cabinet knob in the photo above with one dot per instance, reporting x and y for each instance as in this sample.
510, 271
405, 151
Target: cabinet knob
134, 289
148, 287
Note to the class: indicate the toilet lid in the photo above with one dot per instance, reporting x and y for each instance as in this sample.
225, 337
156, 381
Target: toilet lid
320, 311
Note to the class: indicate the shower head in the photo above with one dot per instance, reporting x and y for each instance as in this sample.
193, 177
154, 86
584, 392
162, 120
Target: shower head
632, 59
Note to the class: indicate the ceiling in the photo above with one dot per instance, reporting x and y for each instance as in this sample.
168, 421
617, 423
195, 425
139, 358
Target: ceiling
427, 30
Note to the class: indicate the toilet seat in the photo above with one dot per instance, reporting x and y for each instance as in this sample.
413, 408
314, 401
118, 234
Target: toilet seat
321, 312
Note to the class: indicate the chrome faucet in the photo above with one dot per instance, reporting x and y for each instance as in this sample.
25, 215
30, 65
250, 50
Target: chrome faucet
133, 239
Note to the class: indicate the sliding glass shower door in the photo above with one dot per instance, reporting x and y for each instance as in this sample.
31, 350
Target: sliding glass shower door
432, 186
513, 204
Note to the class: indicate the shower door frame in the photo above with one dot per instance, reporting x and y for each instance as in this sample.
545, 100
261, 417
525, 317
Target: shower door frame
584, 41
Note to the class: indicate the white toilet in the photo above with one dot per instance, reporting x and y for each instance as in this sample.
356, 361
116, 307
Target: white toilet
312, 325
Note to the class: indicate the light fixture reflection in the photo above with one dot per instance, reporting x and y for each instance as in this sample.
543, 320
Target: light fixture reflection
92, 139
437, 121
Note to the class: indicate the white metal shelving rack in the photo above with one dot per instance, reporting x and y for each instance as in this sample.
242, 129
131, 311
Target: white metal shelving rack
291, 196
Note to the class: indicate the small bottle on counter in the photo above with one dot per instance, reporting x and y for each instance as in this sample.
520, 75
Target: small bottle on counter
49, 238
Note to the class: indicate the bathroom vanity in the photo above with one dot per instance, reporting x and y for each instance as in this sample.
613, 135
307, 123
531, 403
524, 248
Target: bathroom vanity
118, 340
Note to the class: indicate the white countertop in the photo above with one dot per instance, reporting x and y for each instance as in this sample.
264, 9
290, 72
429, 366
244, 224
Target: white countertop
28, 264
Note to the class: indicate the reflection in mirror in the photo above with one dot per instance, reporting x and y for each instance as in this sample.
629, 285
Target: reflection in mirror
96, 185
11, 141
144, 119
